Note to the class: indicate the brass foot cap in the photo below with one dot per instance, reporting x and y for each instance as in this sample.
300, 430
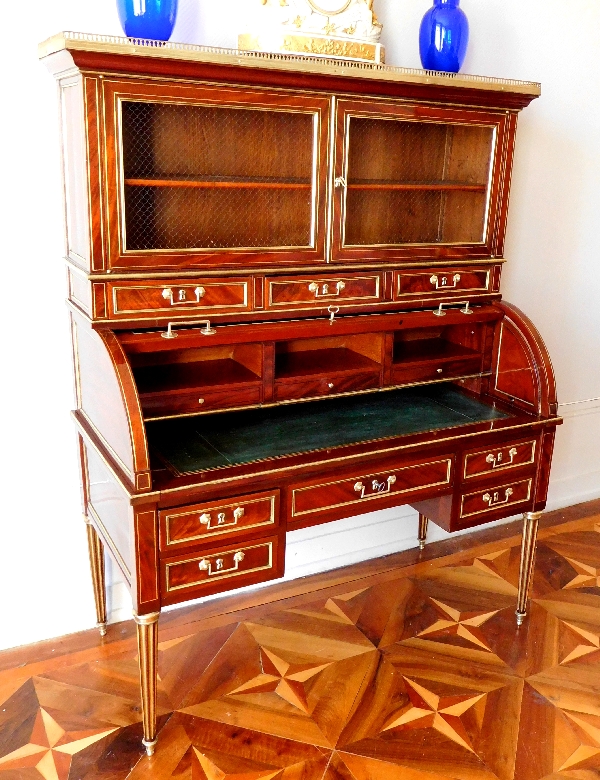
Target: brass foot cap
520, 617
421, 544
102, 628
149, 744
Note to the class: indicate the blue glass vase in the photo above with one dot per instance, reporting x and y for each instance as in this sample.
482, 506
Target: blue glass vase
444, 36
153, 19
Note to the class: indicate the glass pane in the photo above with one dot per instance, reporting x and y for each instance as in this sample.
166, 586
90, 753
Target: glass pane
203, 177
416, 182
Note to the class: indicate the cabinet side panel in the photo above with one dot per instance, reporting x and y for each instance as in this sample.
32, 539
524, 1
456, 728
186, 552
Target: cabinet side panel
109, 509
75, 172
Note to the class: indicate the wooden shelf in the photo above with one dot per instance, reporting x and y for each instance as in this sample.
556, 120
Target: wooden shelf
291, 365
420, 186
208, 183
179, 377
427, 350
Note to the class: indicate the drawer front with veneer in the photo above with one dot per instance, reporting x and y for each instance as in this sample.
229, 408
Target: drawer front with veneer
367, 490
201, 523
494, 460
178, 298
428, 371
315, 386
290, 292
220, 568
435, 282
489, 499
157, 405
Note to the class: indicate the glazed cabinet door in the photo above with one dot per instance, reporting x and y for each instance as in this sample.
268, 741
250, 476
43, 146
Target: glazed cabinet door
201, 176
419, 182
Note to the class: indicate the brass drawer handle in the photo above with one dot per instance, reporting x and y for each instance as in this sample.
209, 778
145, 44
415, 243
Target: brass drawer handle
330, 385
205, 331
182, 300
322, 290
444, 283
496, 460
441, 313
378, 488
206, 565
495, 500
206, 519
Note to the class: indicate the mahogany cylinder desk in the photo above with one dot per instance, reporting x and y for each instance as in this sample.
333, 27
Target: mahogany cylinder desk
284, 289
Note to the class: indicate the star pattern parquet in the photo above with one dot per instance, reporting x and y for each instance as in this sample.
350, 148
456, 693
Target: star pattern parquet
417, 673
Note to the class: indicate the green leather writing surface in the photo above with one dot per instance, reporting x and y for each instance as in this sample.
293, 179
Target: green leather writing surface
194, 444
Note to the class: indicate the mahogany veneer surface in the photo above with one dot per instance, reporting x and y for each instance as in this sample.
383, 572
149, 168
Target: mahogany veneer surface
404, 668
194, 444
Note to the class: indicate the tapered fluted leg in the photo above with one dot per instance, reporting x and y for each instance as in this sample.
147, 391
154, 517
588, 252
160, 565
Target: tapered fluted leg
147, 636
423, 525
530, 529
96, 551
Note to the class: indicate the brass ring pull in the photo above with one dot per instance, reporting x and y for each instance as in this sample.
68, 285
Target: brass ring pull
496, 460
206, 564
435, 279
495, 500
333, 310
169, 295
325, 293
205, 331
378, 488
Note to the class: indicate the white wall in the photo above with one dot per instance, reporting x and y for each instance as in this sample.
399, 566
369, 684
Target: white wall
553, 274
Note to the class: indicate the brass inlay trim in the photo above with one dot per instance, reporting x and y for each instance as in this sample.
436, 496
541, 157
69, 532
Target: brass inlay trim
320, 301
110, 44
508, 503
219, 531
350, 480
110, 543
226, 576
192, 304
437, 291
504, 467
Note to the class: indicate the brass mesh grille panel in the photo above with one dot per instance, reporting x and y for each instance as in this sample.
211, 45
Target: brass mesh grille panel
416, 182
203, 177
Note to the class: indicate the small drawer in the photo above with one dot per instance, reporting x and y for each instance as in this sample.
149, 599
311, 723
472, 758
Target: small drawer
491, 499
352, 289
156, 405
201, 523
443, 369
496, 459
178, 298
313, 387
365, 490
220, 568
435, 282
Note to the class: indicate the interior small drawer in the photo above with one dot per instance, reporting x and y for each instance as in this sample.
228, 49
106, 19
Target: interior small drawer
494, 460
369, 489
220, 568
507, 495
436, 282
315, 386
315, 291
156, 405
440, 369
203, 523
178, 298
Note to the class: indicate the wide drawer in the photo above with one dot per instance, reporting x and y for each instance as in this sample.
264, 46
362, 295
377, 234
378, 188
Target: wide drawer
155, 405
366, 489
428, 371
220, 568
178, 298
202, 523
306, 291
312, 387
435, 282
494, 460
491, 499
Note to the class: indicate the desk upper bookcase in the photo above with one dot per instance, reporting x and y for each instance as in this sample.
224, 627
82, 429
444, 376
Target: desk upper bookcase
284, 284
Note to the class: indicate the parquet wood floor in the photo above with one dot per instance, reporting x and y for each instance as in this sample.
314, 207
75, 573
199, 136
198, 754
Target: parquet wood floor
407, 668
